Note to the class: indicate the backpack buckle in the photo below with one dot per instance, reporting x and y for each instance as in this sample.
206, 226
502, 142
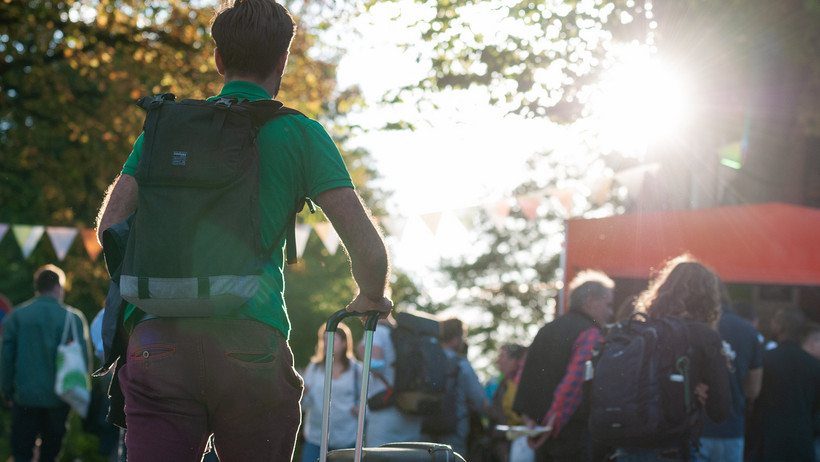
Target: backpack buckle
150, 102
224, 103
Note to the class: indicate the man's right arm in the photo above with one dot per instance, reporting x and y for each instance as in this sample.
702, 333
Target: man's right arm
365, 247
119, 202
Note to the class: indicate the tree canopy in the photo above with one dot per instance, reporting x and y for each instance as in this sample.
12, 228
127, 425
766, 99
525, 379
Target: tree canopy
546, 56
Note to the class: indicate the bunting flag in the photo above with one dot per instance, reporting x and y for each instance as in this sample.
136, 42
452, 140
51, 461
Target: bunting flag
328, 236
565, 198
394, 225
432, 221
529, 206
600, 190
90, 242
467, 217
302, 235
499, 212
401, 229
61, 238
27, 237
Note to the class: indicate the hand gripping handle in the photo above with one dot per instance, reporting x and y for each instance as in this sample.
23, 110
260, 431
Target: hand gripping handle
339, 316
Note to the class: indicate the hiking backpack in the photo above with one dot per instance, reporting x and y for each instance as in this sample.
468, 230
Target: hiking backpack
421, 365
640, 391
195, 246
445, 421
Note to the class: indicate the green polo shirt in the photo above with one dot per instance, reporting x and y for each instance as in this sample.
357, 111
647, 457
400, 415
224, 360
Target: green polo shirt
295, 153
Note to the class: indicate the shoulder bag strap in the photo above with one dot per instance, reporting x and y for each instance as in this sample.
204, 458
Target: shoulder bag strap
66, 327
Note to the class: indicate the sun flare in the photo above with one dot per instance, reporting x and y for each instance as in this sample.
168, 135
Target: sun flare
640, 103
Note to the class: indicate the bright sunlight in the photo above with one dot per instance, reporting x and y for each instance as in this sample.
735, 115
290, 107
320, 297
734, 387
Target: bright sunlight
640, 103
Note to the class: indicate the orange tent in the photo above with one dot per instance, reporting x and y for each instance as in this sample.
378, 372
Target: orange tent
768, 243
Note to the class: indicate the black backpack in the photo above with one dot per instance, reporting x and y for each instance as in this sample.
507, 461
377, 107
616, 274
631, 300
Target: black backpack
195, 246
640, 391
421, 365
445, 421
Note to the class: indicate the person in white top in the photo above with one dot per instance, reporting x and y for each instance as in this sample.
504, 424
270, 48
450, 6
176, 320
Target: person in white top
344, 406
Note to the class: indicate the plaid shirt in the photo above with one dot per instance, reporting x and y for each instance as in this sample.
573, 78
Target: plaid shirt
567, 396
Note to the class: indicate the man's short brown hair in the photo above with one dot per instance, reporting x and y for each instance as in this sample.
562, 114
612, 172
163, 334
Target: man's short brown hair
252, 35
48, 277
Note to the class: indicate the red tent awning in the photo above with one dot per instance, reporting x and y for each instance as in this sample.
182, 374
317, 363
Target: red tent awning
759, 243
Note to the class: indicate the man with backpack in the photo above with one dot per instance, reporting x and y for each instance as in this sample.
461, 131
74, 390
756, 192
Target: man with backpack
463, 392
228, 370
551, 386
386, 423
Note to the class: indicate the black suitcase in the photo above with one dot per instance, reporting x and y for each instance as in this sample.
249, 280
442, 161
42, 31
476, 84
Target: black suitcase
391, 452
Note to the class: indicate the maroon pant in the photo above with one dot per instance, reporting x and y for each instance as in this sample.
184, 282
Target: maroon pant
186, 378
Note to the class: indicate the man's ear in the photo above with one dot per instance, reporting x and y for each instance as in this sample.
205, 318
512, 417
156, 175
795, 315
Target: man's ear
218, 60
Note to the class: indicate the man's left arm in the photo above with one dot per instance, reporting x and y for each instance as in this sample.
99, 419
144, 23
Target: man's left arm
364, 245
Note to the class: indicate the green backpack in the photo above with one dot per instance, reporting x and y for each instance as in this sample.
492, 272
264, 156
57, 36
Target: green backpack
195, 246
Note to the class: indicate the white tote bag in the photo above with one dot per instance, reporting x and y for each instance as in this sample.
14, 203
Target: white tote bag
72, 384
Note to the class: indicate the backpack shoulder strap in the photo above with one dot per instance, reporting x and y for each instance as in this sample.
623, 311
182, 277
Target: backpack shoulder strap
270, 109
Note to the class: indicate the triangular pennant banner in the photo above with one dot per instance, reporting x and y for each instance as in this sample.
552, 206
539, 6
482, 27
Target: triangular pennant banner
499, 212
27, 237
61, 238
529, 206
394, 225
328, 236
565, 197
92, 247
467, 217
302, 235
600, 190
431, 220
3, 228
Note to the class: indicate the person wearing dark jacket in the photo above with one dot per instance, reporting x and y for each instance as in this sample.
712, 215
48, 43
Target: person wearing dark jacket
782, 416
687, 290
550, 389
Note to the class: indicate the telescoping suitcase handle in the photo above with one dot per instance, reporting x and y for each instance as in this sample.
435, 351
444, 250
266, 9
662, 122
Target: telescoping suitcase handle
330, 329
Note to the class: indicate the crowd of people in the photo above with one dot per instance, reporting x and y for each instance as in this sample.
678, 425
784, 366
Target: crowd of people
758, 400
752, 404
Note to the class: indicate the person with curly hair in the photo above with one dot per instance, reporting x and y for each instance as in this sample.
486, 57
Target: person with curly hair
688, 290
